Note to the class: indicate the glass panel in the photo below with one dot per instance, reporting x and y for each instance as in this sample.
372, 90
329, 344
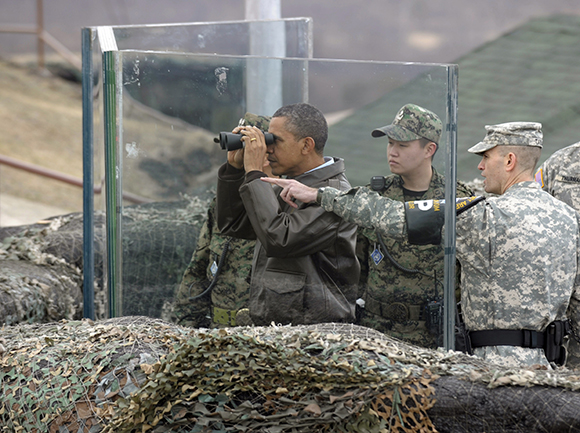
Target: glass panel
234, 38
172, 106
287, 37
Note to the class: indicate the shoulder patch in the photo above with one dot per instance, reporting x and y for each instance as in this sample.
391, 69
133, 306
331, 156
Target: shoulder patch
540, 177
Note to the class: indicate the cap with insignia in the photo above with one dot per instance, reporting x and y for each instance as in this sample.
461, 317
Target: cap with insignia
510, 134
412, 123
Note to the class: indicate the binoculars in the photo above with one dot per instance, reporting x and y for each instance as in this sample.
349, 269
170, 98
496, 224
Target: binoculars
230, 141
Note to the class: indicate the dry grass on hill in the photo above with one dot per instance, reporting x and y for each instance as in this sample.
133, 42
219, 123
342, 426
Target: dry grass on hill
40, 123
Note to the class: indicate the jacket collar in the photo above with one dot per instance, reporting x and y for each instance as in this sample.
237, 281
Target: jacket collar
323, 173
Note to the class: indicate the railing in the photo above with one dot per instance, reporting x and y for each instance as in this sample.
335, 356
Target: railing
63, 177
42, 38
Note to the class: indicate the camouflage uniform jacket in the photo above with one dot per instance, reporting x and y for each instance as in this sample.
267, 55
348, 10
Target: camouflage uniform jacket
520, 267
518, 252
232, 289
560, 175
395, 300
305, 268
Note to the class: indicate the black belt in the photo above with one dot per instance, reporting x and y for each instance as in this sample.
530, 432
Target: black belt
396, 311
507, 337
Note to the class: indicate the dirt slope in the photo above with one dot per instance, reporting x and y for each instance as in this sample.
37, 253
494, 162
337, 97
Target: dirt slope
40, 123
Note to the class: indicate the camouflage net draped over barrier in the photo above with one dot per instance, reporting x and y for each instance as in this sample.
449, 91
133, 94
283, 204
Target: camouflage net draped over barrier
41, 264
35, 284
158, 242
135, 374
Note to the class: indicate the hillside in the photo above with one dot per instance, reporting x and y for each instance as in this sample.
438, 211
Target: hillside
40, 123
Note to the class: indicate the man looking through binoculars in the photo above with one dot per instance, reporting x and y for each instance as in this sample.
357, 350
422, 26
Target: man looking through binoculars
305, 268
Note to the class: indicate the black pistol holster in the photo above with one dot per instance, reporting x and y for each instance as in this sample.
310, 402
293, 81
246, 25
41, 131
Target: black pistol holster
462, 341
551, 340
554, 348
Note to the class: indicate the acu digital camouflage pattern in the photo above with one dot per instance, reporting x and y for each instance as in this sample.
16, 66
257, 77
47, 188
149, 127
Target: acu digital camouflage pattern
519, 260
231, 292
560, 175
518, 255
510, 134
412, 123
395, 300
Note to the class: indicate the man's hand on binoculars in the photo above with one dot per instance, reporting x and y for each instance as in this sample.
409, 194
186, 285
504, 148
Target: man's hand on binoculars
254, 151
236, 158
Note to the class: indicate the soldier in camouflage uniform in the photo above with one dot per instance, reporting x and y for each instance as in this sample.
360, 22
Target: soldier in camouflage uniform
518, 250
396, 294
560, 175
226, 259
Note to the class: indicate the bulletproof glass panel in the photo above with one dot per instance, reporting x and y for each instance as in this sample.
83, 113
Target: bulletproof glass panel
163, 112
292, 37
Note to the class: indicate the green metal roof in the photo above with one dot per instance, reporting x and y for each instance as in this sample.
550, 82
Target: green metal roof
529, 74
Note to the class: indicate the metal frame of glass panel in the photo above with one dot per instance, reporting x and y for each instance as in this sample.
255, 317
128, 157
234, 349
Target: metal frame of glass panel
294, 38
322, 82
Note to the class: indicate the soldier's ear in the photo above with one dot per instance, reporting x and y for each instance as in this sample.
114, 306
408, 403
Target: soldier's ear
510, 161
431, 149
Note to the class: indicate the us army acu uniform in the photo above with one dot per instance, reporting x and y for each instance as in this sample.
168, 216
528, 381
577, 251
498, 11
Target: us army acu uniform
396, 295
524, 245
518, 251
223, 262
560, 175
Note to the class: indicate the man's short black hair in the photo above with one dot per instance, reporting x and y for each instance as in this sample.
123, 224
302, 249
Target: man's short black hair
304, 120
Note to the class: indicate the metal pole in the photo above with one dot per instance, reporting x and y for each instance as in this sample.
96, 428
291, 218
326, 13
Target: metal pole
110, 115
267, 39
450, 185
65, 178
263, 10
88, 178
39, 34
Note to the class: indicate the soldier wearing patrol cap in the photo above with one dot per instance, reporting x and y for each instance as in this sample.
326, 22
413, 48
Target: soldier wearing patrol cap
560, 175
520, 270
518, 252
215, 287
400, 282
412, 123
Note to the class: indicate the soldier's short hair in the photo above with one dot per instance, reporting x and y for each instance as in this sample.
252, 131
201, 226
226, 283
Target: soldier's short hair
528, 156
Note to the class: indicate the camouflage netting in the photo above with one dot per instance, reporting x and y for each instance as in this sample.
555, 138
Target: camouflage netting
138, 374
36, 285
135, 374
158, 242
41, 264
